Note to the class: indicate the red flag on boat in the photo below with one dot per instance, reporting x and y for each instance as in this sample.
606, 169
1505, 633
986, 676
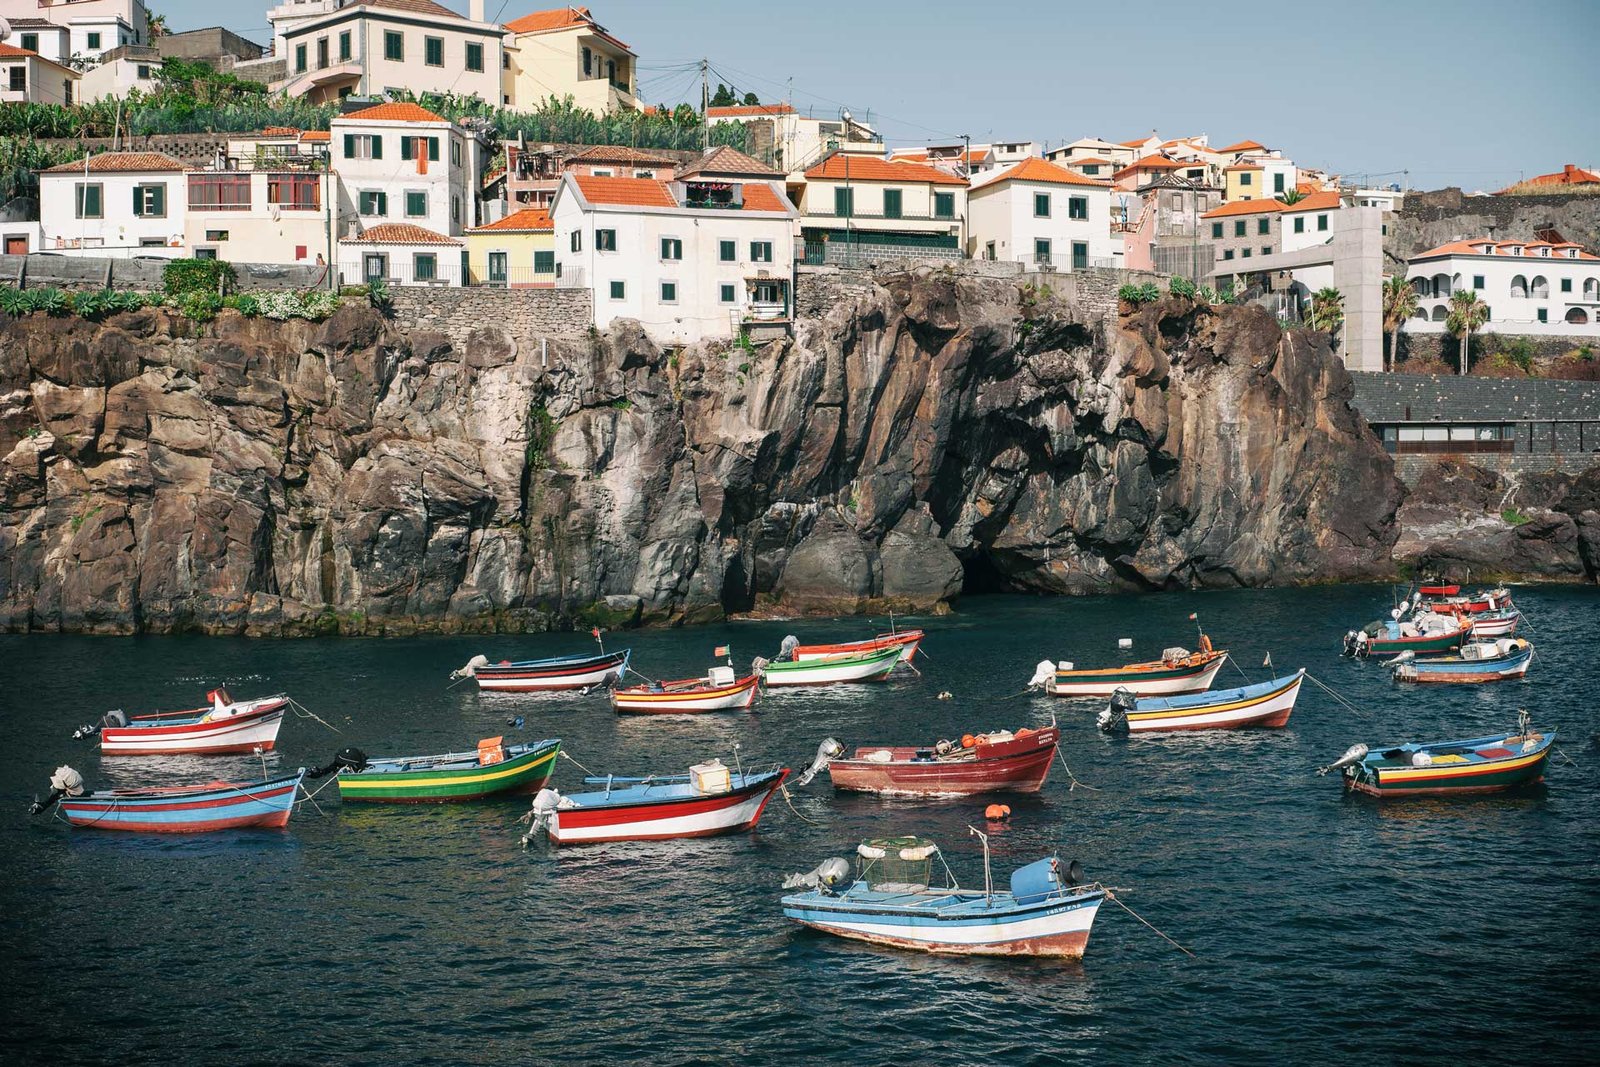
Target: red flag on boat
1194, 617
596, 633
720, 650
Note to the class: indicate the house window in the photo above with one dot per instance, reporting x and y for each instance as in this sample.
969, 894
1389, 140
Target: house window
577, 240
644, 174
1263, 226
1080, 255
344, 46
322, 52
619, 290
424, 267
363, 146
455, 208
455, 153
1091, 169
1078, 207
371, 203
299, 59
1041, 250
394, 46
1299, 225
374, 266
219, 192
416, 204
1245, 254
605, 240
1239, 228
216, 235
1227, 253
1216, 230
1246, 178
1277, 183
475, 57
94, 40
142, 72
988, 251
544, 261
671, 248
433, 51
761, 251
669, 292
1041, 205
88, 201
1544, 315
497, 266
30, 41
1322, 222
893, 199
844, 201
1477, 281
1566, 285
297, 192
725, 293
588, 63
727, 251
1266, 250
944, 205
409, 149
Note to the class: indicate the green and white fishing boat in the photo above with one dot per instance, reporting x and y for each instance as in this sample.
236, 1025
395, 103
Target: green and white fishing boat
830, 670
495, 769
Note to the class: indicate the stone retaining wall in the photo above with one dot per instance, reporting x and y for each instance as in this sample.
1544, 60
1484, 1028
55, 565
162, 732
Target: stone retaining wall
523, 312
39, 271
1411, 469
1444, 346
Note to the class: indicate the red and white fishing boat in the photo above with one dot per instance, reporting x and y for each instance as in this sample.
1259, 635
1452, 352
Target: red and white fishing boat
719, 690
227, 727
1485, 600
907, 641
984, 763
711, 799
545, 675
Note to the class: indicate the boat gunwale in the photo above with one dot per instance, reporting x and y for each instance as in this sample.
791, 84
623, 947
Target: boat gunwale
753, 783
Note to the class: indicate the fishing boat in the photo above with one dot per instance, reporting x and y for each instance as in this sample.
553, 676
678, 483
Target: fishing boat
187, 809
1177, 671
1474, 603
1438, 590
1423, 634
1502, 623
907, 641
1264, 704
711, 799
1447, 768
830, 670
1047, 911
719, 690
1479, 661
546, 675
227, 726
494, 769
1001, 761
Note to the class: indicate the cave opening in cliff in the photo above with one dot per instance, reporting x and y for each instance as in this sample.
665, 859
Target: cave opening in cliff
979, 575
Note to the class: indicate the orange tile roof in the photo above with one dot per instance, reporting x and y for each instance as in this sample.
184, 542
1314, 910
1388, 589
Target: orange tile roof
1307, 188
1134, 144
528, 220
739, 111
1244, 146
1152, 162
1571, 174
842, 165
629, 192
398, 233
1243, 166
280, 131
616, 153
1321, 200
761, 197
560, 18
1245, 207
1089, 159
9, 51
120, 162
394, 111
1469, 248
728, 161
316, 135
420, 7
1039, 170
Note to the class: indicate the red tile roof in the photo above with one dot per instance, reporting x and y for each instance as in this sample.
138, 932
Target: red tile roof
616, 153
398, 233
1038, 170
1467, 248
1245, 146
1245, 207
858, 168
120, 162
628, 192
1571, 174
419, 7
280, 131
394, 111
761, 197
8, 51
1243, 166
1149, 163
528, 220
1321, 200
1089, 159
739, 111
727, 161
561, 18
316, 135
1134, 144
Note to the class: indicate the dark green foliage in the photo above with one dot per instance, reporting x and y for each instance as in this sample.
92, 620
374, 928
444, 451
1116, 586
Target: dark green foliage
378, 296
1180, 286
199, 305
1139, 294
245, 304
182, 276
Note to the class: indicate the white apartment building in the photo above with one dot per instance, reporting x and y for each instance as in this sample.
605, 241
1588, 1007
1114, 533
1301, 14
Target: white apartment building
1307, 222
1533, 288
260, 216
371, 47
120, 72
1043, 215
565, 52
116, 204
858, 205
92, 26
688, 259
34, 34
1093, 148
29, 78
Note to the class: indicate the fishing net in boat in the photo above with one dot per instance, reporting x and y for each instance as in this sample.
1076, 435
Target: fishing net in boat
895, 860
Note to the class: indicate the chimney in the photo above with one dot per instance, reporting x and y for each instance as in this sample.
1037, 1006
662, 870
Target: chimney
1568, 169
475, 10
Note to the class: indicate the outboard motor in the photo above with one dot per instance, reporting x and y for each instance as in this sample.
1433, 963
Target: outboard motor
1352, 755
827, 752
1114, 719
111, 718
471, 668
346, 759
66, 782
827, 874
786, 650
545, 803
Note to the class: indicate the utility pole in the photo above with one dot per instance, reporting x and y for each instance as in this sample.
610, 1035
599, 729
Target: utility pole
705, 105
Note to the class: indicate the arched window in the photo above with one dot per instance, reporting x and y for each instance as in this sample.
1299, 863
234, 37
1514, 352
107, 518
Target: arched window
1421, 286
1422, 313
1519, 287
1540, 289
1455, 283
1591, 288
1578, 317
1441, 285
1440, 313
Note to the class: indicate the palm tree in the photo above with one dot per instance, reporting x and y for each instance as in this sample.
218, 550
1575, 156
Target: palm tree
1467, 313
1399, 304
1327, 309
1292, 197
158, 26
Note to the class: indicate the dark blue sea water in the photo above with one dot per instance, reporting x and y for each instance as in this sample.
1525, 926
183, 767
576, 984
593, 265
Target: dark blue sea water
1326, 927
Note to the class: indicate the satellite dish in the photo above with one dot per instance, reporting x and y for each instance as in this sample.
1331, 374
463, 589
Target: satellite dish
5, 27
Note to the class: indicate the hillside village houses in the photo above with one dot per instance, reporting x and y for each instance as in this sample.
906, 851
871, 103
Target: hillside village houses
565, 52
798, 142
63, 29
116, 205
516, 252
1043, 215
853, 204
29, 78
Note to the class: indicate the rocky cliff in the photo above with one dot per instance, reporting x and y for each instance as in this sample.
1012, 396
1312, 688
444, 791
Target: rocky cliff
923, 432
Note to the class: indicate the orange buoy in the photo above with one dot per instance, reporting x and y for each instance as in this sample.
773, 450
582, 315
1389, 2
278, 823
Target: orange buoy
996, 812
967, 740
1205, 643
1007, 809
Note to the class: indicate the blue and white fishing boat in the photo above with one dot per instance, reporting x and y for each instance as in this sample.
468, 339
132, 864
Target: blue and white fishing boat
183, 809
711, 799
1048, 910
1480, 661
1263, 704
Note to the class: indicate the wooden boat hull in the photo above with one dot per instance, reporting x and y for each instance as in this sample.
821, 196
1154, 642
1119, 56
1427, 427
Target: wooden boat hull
1017, 766
1439, 590
643, 700
522, 773
1157, 680
1489, 625
1057, 930
1267, 705
875, 667
541, 676
242, 733
699, 816
1451, 779
908, 641
189, 810
1393, 646
1453, 669
1492, 601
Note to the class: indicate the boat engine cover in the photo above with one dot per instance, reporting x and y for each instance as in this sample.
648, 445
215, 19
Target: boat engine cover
1035, 882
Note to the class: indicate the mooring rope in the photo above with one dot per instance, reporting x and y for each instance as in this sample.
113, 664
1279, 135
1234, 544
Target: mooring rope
789, 801
1075, 783
1313, 679
1111, 896
306, 713
580, 766
311, 794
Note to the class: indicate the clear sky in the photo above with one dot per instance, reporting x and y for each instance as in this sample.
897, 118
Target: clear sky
1475, 93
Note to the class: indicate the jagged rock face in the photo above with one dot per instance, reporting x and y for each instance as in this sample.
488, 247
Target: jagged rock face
931, 429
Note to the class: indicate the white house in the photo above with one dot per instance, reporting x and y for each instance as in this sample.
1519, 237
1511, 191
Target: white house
857, 205
564, 52
29, 78
120, 71
34, 34
115, 204
1037, 213
687, 259
1310, 221
1532, 288
798, 141
92, 26
260, 216
399, 163
1118, 155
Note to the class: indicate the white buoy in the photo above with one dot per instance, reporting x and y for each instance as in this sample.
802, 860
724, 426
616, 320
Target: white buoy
1124, 642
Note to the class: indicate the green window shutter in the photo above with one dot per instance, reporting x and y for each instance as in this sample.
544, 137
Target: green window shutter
1300, 225
619, 290
544, 262
406, 144
1216, 229
893, 201
433, 51
377, 146
1239, 228
725, 293
1264, 226
474, 57
727, 252
158, 200
944, 205
96, 209
1041, 205
383, 203
843, 202
669, 292
416, 204
1322, 222
1078, 207
344, 45
433, 149
394, 46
